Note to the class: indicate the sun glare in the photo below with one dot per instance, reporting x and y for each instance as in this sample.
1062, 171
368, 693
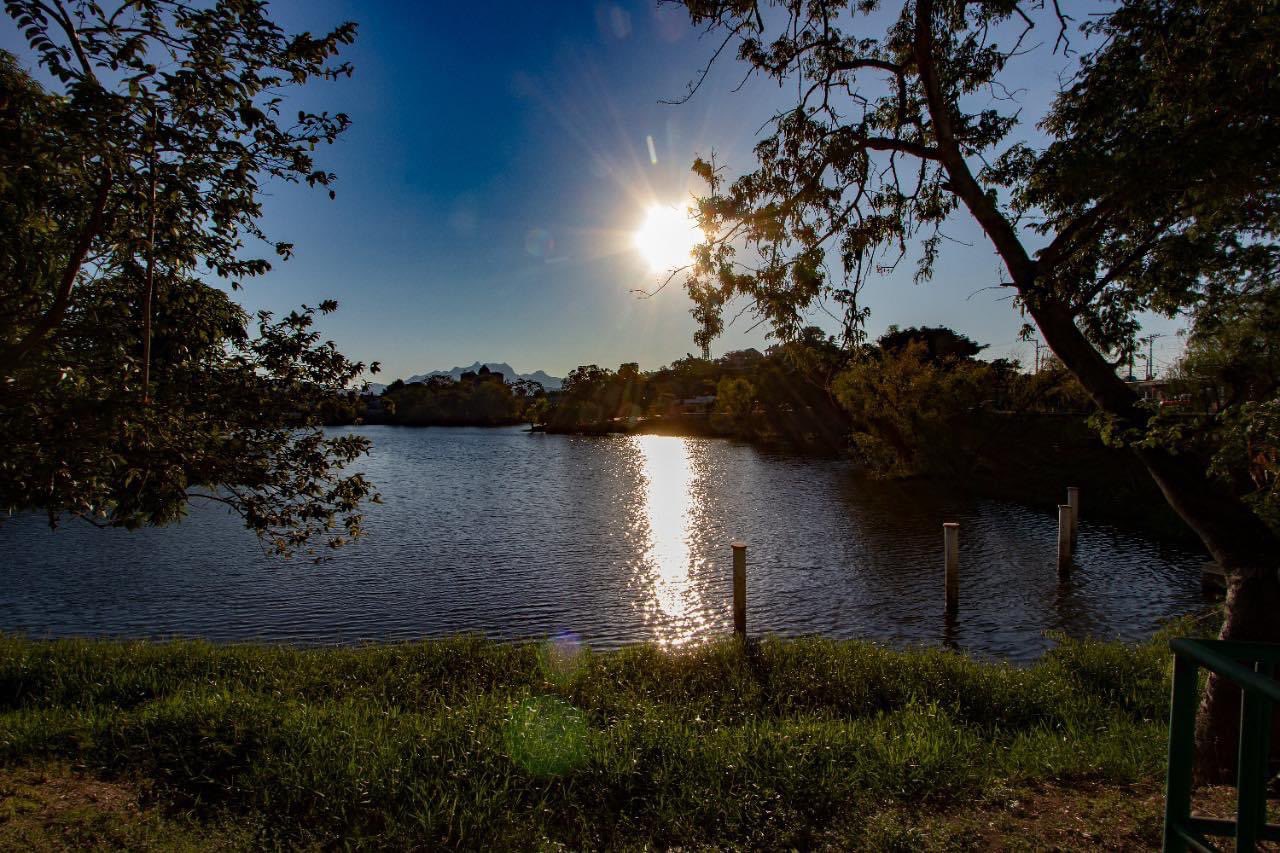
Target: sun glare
667, 237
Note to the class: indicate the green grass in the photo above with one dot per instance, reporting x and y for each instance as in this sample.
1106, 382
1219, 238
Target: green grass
470, 743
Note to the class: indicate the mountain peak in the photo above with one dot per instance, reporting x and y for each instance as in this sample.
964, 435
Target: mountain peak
551, 383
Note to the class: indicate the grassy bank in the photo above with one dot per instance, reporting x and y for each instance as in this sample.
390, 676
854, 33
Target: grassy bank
470, 743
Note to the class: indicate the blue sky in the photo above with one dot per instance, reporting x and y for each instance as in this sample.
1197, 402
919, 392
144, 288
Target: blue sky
497, 169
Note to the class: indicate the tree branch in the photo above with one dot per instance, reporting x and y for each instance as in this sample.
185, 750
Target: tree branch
73, 36
1084, 226
981, 205
14, 354
884, 143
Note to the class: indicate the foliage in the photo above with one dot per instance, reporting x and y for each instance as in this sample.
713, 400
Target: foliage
1160, 178
1246, 454
592, 395
911, 404
735, 398
442, 401
940, 343
905, 404
1050, 389
469, 743
1233, 352
131, 384
780, 396
1155, 189
1224, 399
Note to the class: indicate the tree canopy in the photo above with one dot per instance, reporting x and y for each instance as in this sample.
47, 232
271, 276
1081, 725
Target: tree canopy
130, 205
1156, 191
937, 342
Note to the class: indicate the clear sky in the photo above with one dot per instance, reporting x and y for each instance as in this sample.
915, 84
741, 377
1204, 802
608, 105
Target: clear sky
501, 159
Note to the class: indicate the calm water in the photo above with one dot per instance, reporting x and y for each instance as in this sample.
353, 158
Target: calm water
621, 539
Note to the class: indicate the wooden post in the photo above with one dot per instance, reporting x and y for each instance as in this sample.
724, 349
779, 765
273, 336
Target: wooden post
1073, 501
740, 588
951, 565
1064, 540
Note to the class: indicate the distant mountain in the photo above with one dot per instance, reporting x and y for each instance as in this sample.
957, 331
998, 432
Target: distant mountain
551, 383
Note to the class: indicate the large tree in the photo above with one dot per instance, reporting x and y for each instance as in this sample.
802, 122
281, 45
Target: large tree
130, 206
1156, 191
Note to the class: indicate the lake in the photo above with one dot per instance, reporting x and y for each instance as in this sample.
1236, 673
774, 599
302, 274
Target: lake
613, 540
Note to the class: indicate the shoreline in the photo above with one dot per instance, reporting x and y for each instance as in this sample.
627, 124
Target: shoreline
1027, 460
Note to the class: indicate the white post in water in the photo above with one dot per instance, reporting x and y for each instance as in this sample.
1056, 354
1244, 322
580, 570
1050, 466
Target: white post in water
951, 566
740, 588
1073, 501
1064, 540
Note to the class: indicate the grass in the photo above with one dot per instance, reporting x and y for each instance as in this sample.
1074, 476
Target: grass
469, 743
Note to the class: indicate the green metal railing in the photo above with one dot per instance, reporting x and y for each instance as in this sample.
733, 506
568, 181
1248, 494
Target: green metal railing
1252, 666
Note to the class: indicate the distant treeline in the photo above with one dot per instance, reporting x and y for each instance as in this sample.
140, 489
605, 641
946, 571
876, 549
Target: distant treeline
917, 402
781, 396
894, 403
477, 399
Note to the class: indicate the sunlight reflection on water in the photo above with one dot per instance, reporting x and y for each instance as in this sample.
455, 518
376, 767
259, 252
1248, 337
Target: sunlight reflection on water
618, 540
668, 510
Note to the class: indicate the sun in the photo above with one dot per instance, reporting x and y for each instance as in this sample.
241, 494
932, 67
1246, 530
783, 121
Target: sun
667, 237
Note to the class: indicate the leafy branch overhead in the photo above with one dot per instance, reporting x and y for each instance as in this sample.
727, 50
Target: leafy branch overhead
1156, 190
892, 134
131, 382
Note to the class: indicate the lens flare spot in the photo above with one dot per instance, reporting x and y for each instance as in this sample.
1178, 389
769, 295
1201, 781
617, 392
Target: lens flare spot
546, 736
561, 658
539, 243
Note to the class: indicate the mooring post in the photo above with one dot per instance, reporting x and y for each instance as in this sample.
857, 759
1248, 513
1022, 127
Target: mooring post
1064, 540
740, 588
951, 565
1073, 501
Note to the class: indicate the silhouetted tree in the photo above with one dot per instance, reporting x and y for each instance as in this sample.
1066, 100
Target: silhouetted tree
129, 386
939, 342
905, 404
1156, 190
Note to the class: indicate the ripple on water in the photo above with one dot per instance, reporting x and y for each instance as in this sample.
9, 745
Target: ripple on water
617, 540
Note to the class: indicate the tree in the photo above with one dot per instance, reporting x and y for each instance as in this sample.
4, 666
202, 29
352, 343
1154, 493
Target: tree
1233, 351
904, 402
130, 385
1156, 191
537, 410
939, 342
1227, 403
735, 397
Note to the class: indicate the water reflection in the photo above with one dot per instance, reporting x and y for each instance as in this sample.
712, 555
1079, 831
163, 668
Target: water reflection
669, 507
620, 540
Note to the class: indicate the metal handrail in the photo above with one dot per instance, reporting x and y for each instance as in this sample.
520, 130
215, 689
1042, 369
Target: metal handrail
1225, 664
1182, 830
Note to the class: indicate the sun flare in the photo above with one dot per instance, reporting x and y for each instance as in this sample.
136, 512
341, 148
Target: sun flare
667, 237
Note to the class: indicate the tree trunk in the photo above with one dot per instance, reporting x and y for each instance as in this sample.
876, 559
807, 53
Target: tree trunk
12, 356
1235, 537
1238, 540
1253, 602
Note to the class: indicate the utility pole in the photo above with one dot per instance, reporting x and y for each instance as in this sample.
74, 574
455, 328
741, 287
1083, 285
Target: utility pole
1038, 346
1151, 355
